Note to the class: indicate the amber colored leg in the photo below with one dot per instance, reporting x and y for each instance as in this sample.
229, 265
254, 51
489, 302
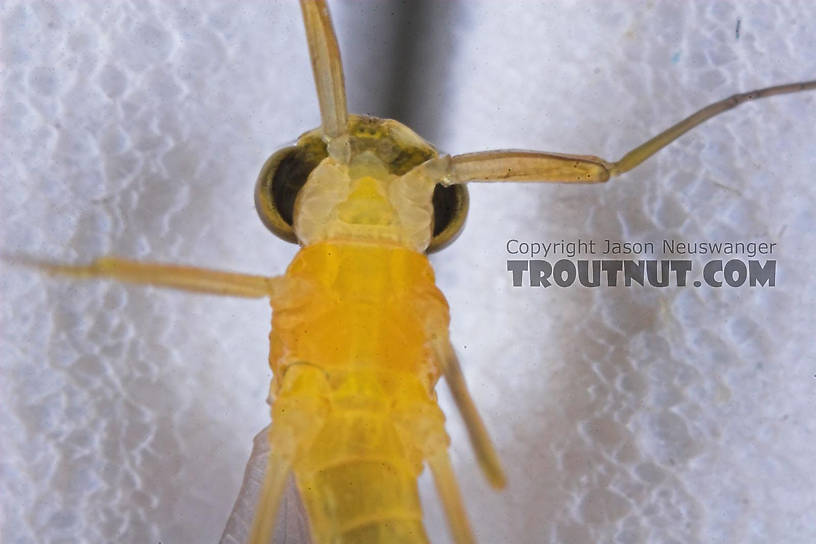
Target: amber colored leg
327, 67
482, 445
556, 167
448, 490
260, 502
186, 278
266, 513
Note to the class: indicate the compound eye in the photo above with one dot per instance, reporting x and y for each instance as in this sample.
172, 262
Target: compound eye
450, 206
281, 177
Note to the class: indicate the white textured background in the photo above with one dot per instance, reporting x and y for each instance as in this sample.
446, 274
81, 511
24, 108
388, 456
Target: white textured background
623, 415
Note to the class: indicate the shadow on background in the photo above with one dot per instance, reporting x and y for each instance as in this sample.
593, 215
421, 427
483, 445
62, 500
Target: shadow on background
397, 56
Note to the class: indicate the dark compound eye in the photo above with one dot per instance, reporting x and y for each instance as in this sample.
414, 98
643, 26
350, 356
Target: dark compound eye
450, 206
281, 177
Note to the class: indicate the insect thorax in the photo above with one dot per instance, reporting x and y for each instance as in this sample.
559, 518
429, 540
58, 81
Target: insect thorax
366, 188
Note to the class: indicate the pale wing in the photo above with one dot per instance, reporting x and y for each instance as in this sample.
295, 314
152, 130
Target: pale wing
291, 525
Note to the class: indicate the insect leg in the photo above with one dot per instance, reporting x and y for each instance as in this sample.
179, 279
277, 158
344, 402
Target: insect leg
275, 479
327, 67
291, 525
186, 278
482, 445
539, 166
448, 490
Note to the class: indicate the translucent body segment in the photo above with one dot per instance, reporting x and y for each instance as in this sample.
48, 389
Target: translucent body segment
362, 198
356, 344
186, 278
368, 305
361, 483
395, 531
356, 462
542, 166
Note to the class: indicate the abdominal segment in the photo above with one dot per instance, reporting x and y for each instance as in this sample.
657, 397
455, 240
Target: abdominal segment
354, 409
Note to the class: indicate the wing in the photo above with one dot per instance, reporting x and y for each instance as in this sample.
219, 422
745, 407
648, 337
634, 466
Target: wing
291, 525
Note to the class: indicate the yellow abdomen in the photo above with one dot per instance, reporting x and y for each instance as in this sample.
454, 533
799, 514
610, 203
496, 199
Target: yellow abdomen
354, 388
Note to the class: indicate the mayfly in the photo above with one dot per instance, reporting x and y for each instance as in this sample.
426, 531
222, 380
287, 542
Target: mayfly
359, 329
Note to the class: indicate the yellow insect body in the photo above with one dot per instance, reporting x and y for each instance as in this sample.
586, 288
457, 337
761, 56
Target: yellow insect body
356, 343
355, 407
359, 330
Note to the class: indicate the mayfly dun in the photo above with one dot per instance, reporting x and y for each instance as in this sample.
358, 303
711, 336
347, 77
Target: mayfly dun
360, 331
